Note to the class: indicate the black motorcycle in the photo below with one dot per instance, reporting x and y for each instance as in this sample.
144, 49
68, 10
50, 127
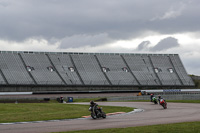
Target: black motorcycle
96, 112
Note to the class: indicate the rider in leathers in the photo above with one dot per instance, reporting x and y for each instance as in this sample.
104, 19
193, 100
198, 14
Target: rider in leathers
159, 98
93, 104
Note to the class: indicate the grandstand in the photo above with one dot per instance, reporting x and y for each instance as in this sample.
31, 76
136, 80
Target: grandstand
62, 71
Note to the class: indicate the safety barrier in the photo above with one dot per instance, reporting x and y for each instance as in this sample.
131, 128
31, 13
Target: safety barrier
171, 91
166, 97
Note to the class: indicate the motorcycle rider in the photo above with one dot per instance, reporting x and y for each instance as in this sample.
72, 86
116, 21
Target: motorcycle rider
159, 98
95, 105
92, 104
162, 102
152, 95
61, 99
96, 112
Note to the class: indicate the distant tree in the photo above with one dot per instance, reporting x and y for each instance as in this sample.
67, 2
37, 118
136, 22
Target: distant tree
196, 80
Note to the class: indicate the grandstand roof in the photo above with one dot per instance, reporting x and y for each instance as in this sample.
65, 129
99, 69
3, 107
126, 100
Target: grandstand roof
82, 53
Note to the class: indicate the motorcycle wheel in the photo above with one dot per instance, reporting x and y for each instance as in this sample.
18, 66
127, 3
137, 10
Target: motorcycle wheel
103, 115
93, 116
98, 114
165, 106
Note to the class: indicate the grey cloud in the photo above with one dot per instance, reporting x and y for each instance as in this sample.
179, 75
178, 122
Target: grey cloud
120, 20
143, 45
3, 4
191, 63
171, 13
84, 40
165, 44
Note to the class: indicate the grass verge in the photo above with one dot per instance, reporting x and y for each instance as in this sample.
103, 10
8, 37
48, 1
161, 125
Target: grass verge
11, 112
186, 127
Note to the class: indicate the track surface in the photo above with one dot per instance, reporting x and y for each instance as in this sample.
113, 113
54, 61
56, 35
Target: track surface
153, 114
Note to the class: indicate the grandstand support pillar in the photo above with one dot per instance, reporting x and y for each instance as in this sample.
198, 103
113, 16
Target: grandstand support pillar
76, 69
26, 69
175, 70
4, 77
130, 70
154, 70
102, 70
55, 69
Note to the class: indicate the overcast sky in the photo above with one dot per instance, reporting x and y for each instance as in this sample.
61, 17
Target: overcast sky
122, 26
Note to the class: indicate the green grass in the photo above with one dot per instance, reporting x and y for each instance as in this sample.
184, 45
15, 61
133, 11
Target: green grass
187, 127
10, 112
20, 112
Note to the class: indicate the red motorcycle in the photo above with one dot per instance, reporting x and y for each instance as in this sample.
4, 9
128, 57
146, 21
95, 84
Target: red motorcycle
163, 103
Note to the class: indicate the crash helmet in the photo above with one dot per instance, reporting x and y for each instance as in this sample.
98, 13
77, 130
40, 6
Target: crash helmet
91, 102
159, 96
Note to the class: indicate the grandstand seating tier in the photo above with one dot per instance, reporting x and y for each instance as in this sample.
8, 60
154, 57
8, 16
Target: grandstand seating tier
88, 69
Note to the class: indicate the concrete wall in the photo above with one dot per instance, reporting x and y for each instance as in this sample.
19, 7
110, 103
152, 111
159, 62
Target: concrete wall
54, 89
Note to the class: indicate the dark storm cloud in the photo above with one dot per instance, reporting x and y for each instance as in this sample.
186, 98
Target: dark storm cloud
143, 45
99, 21
162, 45
165, 44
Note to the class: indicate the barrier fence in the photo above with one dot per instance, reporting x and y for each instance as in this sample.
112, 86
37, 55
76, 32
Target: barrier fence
171, 91
166, 97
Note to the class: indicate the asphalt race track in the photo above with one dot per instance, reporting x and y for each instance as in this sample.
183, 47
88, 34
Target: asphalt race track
152, 114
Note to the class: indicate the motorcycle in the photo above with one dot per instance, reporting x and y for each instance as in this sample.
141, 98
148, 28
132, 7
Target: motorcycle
96, 112
154, 100
163, 103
